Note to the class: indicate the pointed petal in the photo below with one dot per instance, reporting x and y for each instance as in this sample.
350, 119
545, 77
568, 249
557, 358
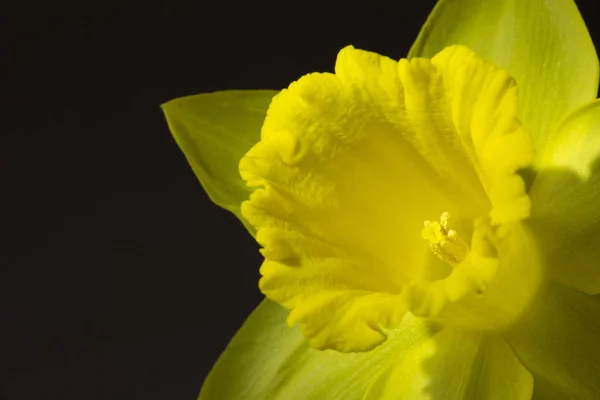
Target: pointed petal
267, 360
558, 341
214, 131
454, 366
566, 201
543, 44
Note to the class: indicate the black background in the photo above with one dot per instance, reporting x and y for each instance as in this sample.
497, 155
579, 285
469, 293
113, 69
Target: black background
120, 280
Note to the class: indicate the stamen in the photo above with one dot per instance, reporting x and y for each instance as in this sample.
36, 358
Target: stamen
444, 241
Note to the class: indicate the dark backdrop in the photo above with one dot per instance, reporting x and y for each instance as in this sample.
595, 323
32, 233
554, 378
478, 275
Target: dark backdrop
120, 280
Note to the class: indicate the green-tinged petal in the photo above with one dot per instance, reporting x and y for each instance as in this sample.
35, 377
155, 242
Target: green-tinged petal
454, 365
543, 44
566, 201
268, 360
214, 130
558, 341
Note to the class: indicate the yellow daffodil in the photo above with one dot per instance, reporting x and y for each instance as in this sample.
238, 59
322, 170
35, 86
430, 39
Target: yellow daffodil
430, 227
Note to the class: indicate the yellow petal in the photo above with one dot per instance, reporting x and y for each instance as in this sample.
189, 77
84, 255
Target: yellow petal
351, 164
214, 130
566, 201
454, 365
543, 44
483, 101
558, 341
267, 361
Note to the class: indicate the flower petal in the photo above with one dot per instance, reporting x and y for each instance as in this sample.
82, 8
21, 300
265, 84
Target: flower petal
267, 360
214, 130
566, 201
455, 365
350, 165
558, 341
543, 44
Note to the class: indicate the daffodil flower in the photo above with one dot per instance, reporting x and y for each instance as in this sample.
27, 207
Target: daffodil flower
430, 227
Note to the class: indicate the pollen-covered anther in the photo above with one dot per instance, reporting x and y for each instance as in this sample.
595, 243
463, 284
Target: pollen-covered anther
444, 241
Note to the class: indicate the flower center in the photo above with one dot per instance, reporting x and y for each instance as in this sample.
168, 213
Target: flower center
492, 279
444, 241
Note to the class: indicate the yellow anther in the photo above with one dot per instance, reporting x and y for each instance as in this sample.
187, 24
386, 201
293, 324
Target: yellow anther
444, 241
